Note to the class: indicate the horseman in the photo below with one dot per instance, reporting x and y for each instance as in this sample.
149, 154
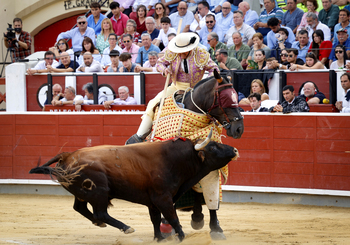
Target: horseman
186, 64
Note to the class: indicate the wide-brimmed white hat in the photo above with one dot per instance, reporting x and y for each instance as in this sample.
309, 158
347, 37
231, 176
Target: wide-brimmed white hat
183, 42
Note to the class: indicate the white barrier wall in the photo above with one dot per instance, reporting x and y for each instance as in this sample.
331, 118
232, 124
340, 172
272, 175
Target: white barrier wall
16, 96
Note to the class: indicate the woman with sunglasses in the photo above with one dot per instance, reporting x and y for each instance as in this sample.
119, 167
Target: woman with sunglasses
102, 38
88, 46
159, 14
131, 27
283, 56
320, 47
141, 14
60, 47
341, 56
311, 63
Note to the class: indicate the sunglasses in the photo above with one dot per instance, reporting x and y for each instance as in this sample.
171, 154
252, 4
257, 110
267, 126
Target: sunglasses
226, 8
284, 55
290, 56
210, 21
209, 40
82, 23
338, 51
60, 44
127, 41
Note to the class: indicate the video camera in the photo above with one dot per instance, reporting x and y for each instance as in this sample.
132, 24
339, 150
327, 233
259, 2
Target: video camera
11, 34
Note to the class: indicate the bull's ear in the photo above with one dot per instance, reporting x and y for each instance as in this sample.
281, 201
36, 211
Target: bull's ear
201, 155
217, 76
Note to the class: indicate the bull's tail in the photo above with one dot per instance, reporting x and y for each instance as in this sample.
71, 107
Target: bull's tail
45, 169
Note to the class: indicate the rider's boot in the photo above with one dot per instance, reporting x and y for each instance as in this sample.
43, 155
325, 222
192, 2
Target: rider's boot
143, 131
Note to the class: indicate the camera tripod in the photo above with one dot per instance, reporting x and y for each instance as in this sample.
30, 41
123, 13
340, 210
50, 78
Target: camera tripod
11, 51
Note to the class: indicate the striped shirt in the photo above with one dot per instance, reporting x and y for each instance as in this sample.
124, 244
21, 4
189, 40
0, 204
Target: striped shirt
276, 12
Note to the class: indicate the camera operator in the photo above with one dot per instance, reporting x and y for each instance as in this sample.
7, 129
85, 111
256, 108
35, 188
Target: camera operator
19, 40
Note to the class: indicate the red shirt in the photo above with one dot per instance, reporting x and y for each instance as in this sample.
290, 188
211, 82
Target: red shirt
325, 49
120, 24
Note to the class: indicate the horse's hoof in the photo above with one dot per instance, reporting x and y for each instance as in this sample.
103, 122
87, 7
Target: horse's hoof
197, 225
217, 235
129, 230
102, 225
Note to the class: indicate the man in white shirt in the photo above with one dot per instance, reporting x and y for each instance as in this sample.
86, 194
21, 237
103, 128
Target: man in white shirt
150, 64
164, 32
112, 40
250, 16
225, 19
69, 97
41, 67
89, 97
313, 24
124, 98
344, 105
199, 19
183, 13
89, 65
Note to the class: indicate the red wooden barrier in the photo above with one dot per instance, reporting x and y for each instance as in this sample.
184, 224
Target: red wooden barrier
313, 108
96, 108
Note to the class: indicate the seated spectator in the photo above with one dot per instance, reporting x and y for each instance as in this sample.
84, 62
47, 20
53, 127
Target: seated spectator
118, 19
274, 24
329, 14
215, 44
258, 41
225, 62
343, 39
56, 92
319, 47
89, 97
62, 46
311, 63
170, 6
199, 18
291, 103
246, 31
283, 57
257, 87
210, 26
224, 20
255, 103
151, 28
313, 24
149, 8
115, 63
171, 36
302, 45
344, 16
95, 19
250, 16
164, 32
150, 64
292, 17
131, 29
271, 10
140, 19
130, 47
282, 42
259, 59
341, 58
78, 34
112, 39
344, 105
292, 58
41, 67
89, 64
158, 15
69, 97
88, 46
311, 5
102, 38
239, 50
124, 98
186, 16
67, 65
128, 66
270, 64
311, 94
146, 48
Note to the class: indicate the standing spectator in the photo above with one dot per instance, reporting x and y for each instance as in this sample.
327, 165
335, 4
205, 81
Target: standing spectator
88, 46
255, 103
292, 17
319, 47
224, 20
131, 29
164, 32
21, 43
41, 67
311, 62
95, 19
311, 94
130, 47
246, 31
291, 103
281, 44
329, 14
149, 10
112, 39
344, 15
140, 19
186, 16
313, 24
159, 14
215, 44
344, 105
66, 66
128, 65
170, 5
151, 28
150, 64
271, 10
225, 62
89, 64
260, 59
199, 17
125, 6
292, 58
102, 38
60, 47
124, 98
211, 26
343, 39
118, 19
239, 50
258, 41
341, 58
115, 63
311, 5
250, 16
78, 34
274, 24
146, 48
302, 45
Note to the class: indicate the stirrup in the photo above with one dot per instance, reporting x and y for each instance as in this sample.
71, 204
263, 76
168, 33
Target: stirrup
134, 139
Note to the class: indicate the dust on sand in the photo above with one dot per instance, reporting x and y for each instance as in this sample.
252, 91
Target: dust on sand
35, 219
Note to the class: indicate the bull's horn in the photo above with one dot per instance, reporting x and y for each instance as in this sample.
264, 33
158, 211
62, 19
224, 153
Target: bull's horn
199, 147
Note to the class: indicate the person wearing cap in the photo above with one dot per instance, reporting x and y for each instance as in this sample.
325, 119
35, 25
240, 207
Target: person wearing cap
115, 63
343, 39
186, 64
344, 22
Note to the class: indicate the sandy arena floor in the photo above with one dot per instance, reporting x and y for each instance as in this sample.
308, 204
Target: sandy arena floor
34, 219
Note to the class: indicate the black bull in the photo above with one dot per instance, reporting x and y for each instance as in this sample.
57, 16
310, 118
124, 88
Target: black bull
98, 174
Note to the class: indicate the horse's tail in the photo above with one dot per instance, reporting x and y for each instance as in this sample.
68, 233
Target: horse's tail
45, 169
